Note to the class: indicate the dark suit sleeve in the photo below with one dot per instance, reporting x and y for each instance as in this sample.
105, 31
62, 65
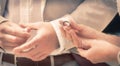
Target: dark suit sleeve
95, 13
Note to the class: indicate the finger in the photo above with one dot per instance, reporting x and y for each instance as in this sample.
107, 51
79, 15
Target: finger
16, 32
13, 39
87, 44
30, 25
21, 50
68, 35
86, 31
35, 51
28, 29
77, 26
65, 30
76, 41
8, 44
28, 45
33, 55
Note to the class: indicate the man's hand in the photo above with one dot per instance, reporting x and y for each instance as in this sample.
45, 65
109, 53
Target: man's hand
12, 35
41, 45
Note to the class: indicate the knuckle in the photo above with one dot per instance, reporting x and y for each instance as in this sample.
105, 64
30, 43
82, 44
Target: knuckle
16, 40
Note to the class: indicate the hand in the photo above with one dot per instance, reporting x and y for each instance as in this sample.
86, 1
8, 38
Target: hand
82, 31
86, 32
98, 51
43, 43
12, 35
88, 44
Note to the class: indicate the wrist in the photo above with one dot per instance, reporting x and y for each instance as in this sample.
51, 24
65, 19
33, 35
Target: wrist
113, 39
64, 44
53, 34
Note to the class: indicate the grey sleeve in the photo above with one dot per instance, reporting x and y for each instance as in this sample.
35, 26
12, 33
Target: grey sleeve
118, 6
95, 13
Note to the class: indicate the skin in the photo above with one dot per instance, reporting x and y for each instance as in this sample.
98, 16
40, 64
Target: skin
92, 44
44, 42
12, 35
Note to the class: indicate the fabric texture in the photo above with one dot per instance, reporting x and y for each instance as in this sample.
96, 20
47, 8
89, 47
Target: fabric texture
118, 6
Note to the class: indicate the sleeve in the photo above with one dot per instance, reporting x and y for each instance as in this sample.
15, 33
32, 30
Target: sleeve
2, 19
94, 13
118, 6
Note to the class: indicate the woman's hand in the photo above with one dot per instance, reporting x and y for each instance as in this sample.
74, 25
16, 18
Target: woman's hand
98, 51
89, 43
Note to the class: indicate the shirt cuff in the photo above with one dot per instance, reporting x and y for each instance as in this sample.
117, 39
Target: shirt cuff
65, 44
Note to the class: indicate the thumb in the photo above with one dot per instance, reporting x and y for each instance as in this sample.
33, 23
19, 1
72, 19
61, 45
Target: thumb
76, 39
86, 47
29, 45
87, 44
76, 26
80, 43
